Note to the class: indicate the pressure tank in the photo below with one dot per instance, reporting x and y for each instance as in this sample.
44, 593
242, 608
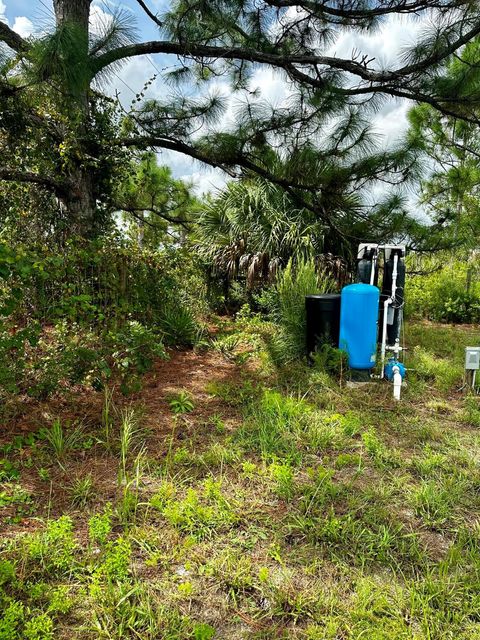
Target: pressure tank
323, 320
358, 324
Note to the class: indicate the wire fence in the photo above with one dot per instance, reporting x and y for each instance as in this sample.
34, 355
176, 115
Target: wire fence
102, 284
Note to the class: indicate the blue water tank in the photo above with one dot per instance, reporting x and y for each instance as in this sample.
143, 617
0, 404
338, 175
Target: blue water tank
358, 324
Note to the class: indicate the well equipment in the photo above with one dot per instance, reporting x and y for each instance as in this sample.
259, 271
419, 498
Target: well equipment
370, 315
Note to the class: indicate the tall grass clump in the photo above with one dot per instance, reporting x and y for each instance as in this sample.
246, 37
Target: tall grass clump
294, 283
441, 371
60, 441
273, 426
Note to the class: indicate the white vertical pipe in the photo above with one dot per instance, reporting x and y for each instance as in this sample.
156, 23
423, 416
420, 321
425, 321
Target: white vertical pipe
386, 304
394, 276
384, 333
397, 383
374, 267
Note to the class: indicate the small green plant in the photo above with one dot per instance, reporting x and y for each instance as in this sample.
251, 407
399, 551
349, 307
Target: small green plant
434, 501
179, 325
283, 475
227, 345
60, 600
331, 360
200, 513
375, 447
39, 628
7, 572
185, 589
203, 631
11, 620
100, 525
44, 474
218, 423
60, 441
116, 564
8, 471
181, 403
54, 548
107, 417
82, 491
130, 435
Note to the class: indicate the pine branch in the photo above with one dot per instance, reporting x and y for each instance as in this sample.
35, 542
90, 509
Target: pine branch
147, 142
157, 212
321, 9
150, 13
297, 65
11, 175
214, 52
12, 39
292, 187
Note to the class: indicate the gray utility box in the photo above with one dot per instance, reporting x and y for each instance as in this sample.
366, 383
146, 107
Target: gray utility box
472, 358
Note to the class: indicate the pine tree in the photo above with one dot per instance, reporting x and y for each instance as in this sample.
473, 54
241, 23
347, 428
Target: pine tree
73, 145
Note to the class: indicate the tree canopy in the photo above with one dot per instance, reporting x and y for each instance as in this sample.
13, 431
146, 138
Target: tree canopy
450, 190
74, 144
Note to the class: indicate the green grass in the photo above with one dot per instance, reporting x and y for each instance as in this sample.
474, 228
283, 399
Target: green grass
297, 509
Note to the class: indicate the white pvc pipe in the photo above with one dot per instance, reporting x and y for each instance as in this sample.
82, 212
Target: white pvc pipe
374, 267
386, 304
397, 383
394, 276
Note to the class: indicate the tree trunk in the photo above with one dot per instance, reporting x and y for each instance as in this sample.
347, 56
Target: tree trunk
81, 201
77, 11
81, 205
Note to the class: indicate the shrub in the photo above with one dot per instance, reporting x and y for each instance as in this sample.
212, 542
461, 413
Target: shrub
293, 284
116, 565
72, 315
200, 514
179, 325
11, 619
53, 549
39, 628
449, 294
100, 525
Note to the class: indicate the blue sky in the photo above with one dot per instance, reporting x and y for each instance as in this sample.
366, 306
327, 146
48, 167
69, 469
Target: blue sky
30, 16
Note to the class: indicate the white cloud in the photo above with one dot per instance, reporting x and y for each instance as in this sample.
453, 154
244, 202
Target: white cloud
384, 45
99, 19
207, 180
3, 17
272, 86
23, 26
391, 121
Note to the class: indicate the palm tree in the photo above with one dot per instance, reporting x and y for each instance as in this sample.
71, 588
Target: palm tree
252, 228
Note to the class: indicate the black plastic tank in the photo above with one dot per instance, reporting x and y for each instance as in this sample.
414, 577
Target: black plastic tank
364, 271
323, 320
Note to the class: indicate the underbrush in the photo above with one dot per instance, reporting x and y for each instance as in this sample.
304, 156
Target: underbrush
98, 311
447, 291
279, 504
68, 354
